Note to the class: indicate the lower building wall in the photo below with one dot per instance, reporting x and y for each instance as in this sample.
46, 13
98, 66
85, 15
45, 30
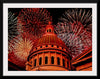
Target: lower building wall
85, 67
49, 68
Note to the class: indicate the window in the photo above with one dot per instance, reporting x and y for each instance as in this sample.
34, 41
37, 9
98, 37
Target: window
63, 62
40, 60
57, 46
52, 60
40, 46
58, 60
35, 62
46, 45
49, 30
67, 64
46, 60
51, 45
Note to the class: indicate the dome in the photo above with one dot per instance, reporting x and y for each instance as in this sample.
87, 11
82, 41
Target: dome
49, 38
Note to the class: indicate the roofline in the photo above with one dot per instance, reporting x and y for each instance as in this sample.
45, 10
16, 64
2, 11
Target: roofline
83, 53
75, 62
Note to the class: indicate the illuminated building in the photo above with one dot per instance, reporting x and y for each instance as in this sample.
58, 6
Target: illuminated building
49, 53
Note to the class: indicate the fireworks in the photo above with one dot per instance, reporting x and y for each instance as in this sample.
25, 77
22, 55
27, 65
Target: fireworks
72, 29
33, 20
22, 47
12, 26
12, 29
16, 60
28, 29
78, 15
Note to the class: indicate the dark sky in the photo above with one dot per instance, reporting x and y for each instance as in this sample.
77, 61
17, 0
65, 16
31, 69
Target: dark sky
54, 12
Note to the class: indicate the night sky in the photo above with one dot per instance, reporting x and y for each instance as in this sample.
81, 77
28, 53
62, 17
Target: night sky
56, 13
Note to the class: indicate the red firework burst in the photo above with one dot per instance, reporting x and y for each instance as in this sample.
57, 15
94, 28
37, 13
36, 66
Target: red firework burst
12, 58
33, 20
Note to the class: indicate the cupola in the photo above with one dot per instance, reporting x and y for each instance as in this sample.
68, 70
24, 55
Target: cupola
49, 29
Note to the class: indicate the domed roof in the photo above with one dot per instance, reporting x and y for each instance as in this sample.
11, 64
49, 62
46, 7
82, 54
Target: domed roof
49, 38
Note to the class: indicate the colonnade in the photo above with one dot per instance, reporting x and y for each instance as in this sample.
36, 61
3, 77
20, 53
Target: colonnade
65, 63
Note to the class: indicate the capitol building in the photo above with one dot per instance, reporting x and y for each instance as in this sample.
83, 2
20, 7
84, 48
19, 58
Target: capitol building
49, 53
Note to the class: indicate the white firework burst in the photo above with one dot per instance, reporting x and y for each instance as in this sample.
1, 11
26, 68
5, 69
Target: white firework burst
76, 38
12, 30
22, 48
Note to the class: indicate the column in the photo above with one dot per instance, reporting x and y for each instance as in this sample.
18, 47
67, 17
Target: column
49, 58
27, 67
43, 58
55, 61
61, 63
37, 60
66, 62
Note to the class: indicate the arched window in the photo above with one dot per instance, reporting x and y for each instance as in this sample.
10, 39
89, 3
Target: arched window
46, 60
68, 64
52, 60
51, 45
40, 46
40, 60
58, 60
49, 30
35, 62
63, 62
46, 45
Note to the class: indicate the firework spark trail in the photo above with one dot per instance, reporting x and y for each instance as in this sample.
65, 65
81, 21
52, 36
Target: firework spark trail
12, 29
33, 20
12, 25
74, 28
72, 41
